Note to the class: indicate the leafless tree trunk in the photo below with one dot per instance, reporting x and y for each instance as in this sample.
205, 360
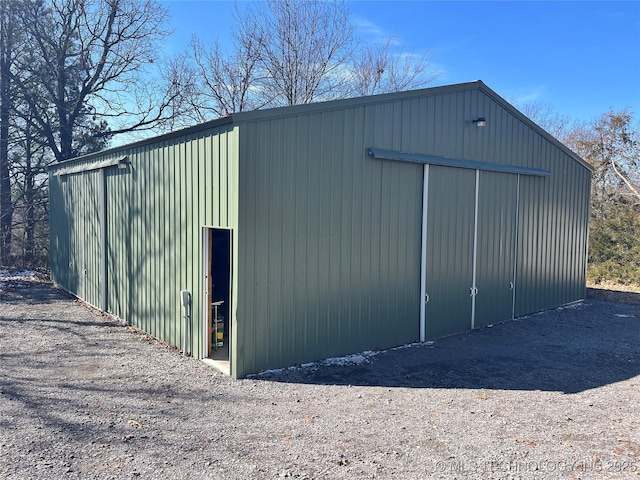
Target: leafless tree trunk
29, 177
8, 37
624, 179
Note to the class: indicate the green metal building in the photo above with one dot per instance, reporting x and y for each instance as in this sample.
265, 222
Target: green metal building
326, 229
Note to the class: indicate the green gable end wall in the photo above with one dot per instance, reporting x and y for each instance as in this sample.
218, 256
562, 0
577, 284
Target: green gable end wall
330, 238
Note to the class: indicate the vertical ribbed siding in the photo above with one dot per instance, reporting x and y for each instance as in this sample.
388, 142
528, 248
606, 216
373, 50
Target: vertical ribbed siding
553, 221
75, 234
449, 246
158, 209
496, 248
321, 270
155, 209
330, 240
553, 216
58, 228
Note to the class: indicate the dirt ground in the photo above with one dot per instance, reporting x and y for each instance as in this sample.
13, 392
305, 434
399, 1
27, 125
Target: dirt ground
615, 293
552, 395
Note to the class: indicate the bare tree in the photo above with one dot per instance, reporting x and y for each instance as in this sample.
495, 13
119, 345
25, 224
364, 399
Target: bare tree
226, 84
84, 78
285, 52
30, 159
378, 69
73, 73
612, 146
289, 52
9, 49
570, 131
304, 44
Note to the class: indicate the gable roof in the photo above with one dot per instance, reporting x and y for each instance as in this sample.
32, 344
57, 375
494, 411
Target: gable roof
271, 113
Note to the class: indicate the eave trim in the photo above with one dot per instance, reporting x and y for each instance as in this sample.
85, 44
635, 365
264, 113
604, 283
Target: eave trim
453, 162
88, 166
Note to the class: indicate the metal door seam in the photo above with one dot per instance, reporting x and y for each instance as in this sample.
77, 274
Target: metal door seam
423, 256
475, 253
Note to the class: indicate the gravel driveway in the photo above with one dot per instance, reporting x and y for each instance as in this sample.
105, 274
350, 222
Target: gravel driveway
554, 395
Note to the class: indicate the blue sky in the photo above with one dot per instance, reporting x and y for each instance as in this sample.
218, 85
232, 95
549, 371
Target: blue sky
581, 58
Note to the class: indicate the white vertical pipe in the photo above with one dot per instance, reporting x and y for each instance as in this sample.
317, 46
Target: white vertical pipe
474, 289
515, 252
423, 256
206, 334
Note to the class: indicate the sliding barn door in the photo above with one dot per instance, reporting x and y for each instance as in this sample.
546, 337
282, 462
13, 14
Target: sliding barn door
449, 250
470, 249
495, 248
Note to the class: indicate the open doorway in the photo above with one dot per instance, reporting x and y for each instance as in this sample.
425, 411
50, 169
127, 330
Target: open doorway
218, 297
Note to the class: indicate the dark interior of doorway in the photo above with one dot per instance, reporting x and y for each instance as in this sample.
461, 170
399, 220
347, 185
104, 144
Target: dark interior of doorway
219, 293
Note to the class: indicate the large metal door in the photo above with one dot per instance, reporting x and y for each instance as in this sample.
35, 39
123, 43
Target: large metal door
88, 237
450, 223
495, 248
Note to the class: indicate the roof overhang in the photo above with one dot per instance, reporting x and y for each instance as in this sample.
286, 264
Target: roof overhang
77, 167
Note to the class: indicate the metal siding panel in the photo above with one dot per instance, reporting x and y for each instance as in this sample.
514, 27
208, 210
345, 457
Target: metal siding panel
200, 203
144, 256
154, 217
314, 164
346, 319
82, 233
356, 282
177, 219
231, 185
180, 230
286, 184
140, 296
275, 202
57, 217
95, 252
191, 234
220, 190
66, 238
77, 242
338, 224
112, 271
335, 128
449, 269
69, 190
196, 257
496, 247
166, 240
532, 195
553, 231
157, 241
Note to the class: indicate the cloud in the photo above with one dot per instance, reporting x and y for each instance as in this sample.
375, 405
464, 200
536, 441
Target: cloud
523, 95
371, 32
367, 28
